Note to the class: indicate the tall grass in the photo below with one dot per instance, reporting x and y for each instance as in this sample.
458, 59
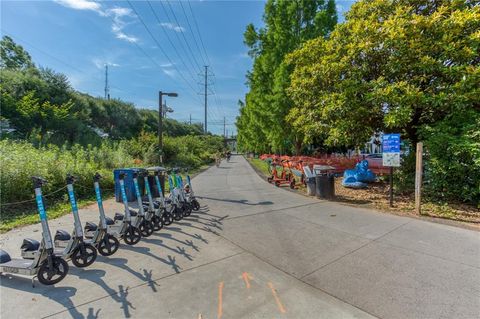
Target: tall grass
21, 160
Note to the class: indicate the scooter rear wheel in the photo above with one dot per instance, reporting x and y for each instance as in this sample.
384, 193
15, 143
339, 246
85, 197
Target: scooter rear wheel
132, 236
108, 246
146, 228
84, 255
157, 223
195, 205
167, 219
52, 276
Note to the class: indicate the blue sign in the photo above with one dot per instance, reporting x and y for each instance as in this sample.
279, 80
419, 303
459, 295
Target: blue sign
391, 143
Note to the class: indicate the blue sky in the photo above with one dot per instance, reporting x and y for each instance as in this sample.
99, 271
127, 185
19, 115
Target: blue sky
78, 37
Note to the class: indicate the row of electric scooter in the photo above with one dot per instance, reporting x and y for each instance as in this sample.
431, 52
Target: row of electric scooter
47, 259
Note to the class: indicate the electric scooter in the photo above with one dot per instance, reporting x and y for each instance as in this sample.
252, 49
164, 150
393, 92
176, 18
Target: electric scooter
173, 200
73, 247
48, 268
163, 205
186, 206
106, 243
139, 221
150, 215
191, 195
122, 226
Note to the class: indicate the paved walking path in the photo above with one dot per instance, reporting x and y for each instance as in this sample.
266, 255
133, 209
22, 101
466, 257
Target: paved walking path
256, 251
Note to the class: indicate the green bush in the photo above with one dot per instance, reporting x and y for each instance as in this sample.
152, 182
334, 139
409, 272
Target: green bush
21, 160
452, 164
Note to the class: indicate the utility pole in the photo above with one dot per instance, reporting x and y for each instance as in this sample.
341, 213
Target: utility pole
224, 135
206, 86
190, 119
107, 89
160, 121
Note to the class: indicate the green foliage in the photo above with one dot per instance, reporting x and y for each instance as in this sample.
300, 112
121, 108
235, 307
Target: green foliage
452, 169
21, 160
404, 66
392, 66
13, 56
262, 125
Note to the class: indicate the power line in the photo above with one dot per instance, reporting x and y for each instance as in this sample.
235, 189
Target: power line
169, 39
198, 31
192, 33
180, 42
183, 35
158, 45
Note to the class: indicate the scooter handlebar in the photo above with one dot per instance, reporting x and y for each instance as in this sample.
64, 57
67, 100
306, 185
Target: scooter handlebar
97, 177
70, 179
121, 176
38, 181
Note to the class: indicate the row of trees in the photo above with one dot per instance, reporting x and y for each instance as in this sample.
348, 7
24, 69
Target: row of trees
41, 106
408, 66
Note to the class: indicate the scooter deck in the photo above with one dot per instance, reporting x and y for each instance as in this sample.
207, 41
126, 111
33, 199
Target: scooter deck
18, 263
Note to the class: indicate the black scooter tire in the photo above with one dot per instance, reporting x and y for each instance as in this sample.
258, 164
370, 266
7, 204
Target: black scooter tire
47, 277
157, 223
86, 258
146, 228
167, 219
108, 246
195, 205
177, 214
187, 209
132, 236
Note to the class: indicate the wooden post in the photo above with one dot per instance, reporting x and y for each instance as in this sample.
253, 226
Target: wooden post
418, 178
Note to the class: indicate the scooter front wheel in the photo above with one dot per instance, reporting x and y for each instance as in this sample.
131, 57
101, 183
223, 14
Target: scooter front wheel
187, 209
108, 246
132, 236
195, 205
157, 223
146, 228
84, 255
167, 219
55, 274
177, 214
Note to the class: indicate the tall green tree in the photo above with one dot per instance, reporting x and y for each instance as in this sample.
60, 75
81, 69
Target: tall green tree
262, 124
392, 66
13, 56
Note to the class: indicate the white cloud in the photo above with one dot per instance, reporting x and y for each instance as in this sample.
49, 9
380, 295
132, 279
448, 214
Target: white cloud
172, 26
116, 13
80, 4
122, 36
170, 73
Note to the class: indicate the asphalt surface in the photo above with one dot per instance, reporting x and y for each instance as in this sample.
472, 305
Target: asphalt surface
256, 251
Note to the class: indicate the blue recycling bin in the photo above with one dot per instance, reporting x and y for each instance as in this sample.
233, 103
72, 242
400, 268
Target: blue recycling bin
129, 186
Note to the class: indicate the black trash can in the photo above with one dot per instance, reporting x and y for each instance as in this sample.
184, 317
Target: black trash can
310, 182
325, 185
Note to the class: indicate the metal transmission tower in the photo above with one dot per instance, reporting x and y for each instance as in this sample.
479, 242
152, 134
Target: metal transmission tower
206, 93
107, 87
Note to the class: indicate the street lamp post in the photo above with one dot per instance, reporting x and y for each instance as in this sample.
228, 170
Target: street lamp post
160, 122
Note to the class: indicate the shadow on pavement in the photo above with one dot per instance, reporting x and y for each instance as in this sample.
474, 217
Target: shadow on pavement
120, 296
146, 251
61, 295
237, 201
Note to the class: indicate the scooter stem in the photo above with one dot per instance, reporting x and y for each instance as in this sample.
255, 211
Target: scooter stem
73, 203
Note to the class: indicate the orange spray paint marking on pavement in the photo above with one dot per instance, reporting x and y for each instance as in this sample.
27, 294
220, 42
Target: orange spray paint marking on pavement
246, 277
220, 300
279, 303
